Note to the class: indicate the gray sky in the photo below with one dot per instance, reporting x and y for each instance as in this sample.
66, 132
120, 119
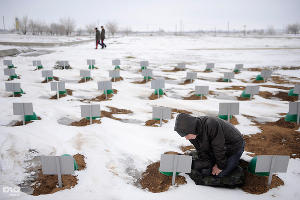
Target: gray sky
154, 14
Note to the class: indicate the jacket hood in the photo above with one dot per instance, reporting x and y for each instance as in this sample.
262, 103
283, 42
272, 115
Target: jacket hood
185, 124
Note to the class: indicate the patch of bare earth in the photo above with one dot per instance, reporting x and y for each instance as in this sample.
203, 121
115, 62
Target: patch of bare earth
85, 122
47, 184
54, 78
83, 80
69, 92
195, 97
173, 70
20, 123
117, 79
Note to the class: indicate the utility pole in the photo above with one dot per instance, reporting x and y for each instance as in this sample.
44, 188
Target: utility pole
3, 24
228, 27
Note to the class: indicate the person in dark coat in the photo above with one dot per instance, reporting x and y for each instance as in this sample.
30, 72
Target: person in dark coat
97, 37
218, 143
103, 37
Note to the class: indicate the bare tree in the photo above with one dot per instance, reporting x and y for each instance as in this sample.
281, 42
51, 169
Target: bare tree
293, 28
112, 27
90, 28
69, 25
32, 27
24, 24
127, 30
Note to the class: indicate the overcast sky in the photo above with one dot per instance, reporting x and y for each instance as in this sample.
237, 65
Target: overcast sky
153, 14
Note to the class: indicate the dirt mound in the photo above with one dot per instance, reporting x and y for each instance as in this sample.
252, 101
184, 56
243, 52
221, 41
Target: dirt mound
102, 97
257, 81
234, 121
279, 80
195, 97
155, 96
282, 123
54, 78
290, 68
114, 110
188, 148
156, 182
141, 82
277, 87
258, 184
84, 81
117, 79
275, 139
233, 88
20, 123
154, 123
283, 96
180, 111
174, 70
255, 69
16, 95
265, 94
222, 80
187, 82
85, 122
47, 184
69, 92
80, 161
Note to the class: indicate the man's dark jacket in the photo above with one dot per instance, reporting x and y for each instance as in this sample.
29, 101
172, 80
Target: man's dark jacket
216, 139
97, 35
102, 34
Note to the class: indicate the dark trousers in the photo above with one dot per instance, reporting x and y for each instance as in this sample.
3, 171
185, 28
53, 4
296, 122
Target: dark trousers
97, 42
232, 162
102, 44
204, 166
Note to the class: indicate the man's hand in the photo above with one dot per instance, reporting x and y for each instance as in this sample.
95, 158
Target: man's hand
216, 171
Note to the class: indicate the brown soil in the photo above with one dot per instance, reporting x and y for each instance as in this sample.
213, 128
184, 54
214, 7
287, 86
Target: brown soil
117, 79
277, 87
154, 97
47, 184
114, 110
9, 79
187, 82
142, 82
279, 80
54, 78
258, 184
80, 161
156, 182
195, 97
186, 149
83, 80
222, 80
16, 95
102, 97
290, 68
283, 96
174, 70
154, 123
69, 92
85, 122
180, 111
20, 123
233, 88
276, 138
257, 81
236, 72
255, 69
234, 121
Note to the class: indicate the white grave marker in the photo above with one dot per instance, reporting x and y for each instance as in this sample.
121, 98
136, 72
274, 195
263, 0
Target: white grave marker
13, 87
7, 63
9, 72
272, 164
57, 165
228, 75
238, 67
191, 76
175, 163
58, 86
90, 111
209, 66
201, 90
294, 109
47, 74
85, 73
181, 66
23, 109
252, 90
266, 74
63, 63
144, 64
147, 73
229, 109
158, 84
116, 62
105, 86
36, 63
297, 90
114, 74
161, 113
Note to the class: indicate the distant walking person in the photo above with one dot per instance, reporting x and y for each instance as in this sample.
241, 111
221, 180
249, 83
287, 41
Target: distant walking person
103, 37
97, 37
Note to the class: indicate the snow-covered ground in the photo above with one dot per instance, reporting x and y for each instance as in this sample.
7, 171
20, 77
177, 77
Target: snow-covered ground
40, 38
115, 149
